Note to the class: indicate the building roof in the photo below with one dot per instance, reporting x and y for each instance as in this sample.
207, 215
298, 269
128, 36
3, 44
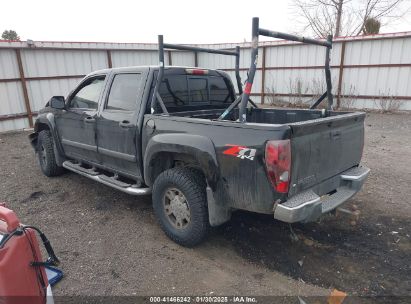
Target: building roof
153, 46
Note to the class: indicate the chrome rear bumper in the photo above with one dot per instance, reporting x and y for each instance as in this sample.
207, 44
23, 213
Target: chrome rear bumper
308, 206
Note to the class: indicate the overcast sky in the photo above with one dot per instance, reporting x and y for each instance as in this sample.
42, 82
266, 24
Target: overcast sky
180, 21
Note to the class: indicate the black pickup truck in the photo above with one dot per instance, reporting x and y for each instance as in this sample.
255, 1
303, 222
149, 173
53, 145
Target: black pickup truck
183, 135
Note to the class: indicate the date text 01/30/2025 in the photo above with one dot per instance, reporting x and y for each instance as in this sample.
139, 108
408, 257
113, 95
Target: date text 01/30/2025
203, 299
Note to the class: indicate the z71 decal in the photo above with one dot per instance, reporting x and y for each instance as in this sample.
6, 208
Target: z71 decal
240, 152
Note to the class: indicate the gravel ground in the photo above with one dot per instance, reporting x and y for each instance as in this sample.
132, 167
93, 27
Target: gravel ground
110, 244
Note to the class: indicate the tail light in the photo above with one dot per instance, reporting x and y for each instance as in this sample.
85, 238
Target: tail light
196, 72
278, 163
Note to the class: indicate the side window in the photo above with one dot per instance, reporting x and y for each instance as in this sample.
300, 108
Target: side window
87, 96
198, 90
124, 92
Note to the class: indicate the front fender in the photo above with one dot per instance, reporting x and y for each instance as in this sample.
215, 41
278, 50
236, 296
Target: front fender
199, 147
45, 118
48, 119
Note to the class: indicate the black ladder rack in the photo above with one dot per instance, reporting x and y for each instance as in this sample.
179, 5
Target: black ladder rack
161, 46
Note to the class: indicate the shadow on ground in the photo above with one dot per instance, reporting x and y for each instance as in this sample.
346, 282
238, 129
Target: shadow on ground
369, 258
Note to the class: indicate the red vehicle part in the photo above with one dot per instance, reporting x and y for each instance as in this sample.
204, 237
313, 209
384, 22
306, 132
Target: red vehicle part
20, 282
278, 163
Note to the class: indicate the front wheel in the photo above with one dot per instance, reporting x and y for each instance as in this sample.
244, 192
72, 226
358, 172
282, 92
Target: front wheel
180, 205
45, 155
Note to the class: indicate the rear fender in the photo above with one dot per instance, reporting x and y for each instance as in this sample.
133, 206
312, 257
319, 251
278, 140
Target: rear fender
199, 147
203, 151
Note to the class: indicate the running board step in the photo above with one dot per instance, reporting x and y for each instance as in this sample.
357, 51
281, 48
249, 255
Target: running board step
106, 180
79, 168
114, 181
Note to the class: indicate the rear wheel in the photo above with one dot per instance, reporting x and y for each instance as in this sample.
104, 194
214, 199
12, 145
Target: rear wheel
180, 205
45, 155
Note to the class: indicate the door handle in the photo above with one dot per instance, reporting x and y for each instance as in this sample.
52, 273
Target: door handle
89, 119
126, 124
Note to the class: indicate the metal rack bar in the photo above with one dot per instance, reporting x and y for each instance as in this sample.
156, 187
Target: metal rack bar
256, 32
161, 46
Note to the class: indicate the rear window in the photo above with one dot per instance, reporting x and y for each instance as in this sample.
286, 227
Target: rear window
178, 90
174, 90
219, 91
123, 92
198, 89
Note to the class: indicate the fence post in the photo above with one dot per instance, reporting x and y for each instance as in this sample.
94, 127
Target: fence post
170, 58
109, 61
24, 87
340, 75
263, 75
195, 59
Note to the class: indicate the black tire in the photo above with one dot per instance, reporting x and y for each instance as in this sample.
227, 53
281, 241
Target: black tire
192, 185
45, 155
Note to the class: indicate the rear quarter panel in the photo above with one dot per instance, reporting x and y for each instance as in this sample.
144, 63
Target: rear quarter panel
239, 150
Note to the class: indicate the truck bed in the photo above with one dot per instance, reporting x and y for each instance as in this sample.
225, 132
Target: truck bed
263, 116
322, 147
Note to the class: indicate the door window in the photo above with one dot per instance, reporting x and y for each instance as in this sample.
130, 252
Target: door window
87, 96
124, 92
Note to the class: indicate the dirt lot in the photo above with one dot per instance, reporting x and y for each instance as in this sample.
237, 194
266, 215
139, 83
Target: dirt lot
110, 244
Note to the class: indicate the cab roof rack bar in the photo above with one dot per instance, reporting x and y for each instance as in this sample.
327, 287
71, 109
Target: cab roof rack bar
197, 49
161, 46
273, 34
256, 32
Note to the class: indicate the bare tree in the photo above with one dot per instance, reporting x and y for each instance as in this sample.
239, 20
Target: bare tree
338, 4
345, 17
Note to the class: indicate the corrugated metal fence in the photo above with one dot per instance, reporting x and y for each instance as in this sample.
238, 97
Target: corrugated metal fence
367, 72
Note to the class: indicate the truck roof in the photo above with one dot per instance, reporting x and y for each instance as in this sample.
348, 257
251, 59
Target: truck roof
152, 67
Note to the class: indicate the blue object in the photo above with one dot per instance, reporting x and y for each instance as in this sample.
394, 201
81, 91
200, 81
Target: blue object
54, 275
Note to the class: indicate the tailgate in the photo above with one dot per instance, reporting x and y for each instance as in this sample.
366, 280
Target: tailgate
323, 148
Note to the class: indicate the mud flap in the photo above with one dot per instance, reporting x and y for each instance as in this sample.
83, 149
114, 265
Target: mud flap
217, 214
59, 159
33, 140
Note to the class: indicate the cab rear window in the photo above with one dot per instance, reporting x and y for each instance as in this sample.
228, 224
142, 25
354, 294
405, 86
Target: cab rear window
180, 90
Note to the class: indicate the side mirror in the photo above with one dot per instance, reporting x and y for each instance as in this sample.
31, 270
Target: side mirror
57, 102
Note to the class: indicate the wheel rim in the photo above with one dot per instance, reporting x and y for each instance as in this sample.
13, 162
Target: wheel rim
176, 208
